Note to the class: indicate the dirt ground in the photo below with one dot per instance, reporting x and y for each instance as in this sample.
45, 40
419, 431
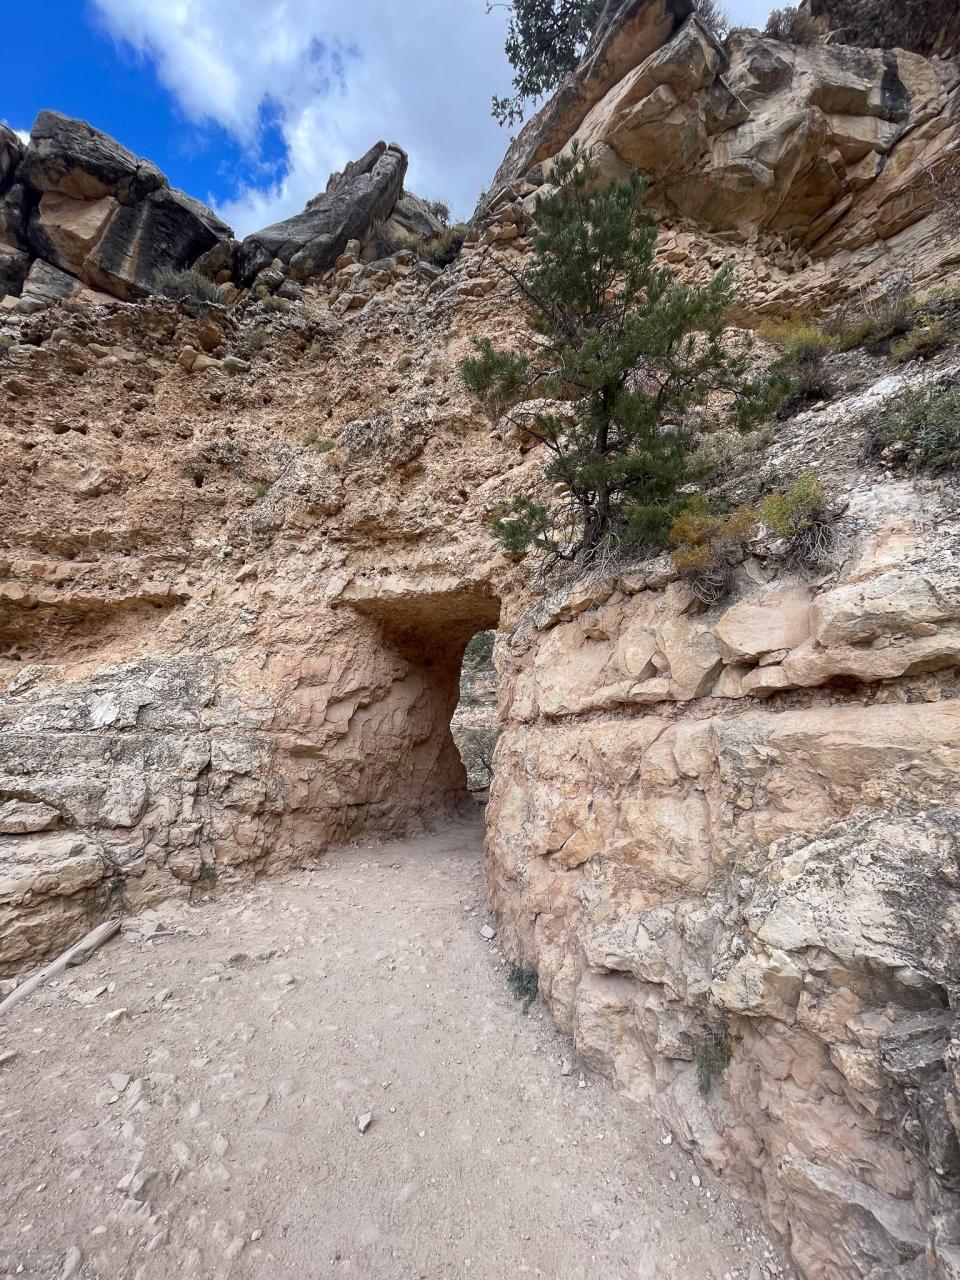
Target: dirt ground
186, 1103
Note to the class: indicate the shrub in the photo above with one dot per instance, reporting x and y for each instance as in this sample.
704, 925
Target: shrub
873, 322
476, 744
634, 353
259, 488
187, 285
271, 302
479, 650
713, 17
708, 546
792, 25
804, 348
921, 343
921, 431
442, 249
802, 518
712, 1056
800, 340
719, 454
208, 875
523, 983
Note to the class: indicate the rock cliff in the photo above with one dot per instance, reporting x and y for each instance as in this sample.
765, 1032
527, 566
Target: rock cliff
243, 548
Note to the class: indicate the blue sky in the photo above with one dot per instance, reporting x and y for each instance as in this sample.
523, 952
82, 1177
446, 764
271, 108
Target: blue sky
249, 104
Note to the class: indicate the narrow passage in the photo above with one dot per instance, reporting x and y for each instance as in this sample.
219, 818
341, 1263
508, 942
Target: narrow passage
211, 1128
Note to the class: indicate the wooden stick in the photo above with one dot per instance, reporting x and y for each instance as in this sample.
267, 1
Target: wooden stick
73, 956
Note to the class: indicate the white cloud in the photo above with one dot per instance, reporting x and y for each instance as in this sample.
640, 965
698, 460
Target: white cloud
22, 134
339, 76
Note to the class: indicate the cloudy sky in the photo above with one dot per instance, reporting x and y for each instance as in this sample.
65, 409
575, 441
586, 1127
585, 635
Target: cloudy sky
249, 104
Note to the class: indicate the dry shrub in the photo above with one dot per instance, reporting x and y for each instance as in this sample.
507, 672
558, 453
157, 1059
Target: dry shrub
792, 25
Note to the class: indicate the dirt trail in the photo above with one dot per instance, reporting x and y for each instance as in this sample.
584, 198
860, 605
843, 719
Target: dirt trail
210, 1130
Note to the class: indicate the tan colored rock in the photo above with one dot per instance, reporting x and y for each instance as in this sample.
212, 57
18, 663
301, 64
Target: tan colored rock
752, 628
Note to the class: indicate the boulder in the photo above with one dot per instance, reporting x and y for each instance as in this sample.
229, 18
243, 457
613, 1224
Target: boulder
627, 32
167, 230
14, 265
310, 242
411, 214
85, 205
11, 153
72, 157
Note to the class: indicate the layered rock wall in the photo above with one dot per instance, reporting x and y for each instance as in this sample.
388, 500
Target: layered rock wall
729, 841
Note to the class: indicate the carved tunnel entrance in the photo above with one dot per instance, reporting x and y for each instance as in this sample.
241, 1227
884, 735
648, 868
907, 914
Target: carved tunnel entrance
424, 634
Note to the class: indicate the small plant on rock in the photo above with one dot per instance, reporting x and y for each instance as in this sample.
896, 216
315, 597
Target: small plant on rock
709, 546
187, 285
712, 1055
920, 431
802, 518
523, 983
874, 322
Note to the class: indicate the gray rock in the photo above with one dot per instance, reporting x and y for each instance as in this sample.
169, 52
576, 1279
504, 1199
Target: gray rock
11, 153
413, 214
72, 157
14, 265
488, 933
20, 816
311, 241
364, 1121
167, 230
45, 284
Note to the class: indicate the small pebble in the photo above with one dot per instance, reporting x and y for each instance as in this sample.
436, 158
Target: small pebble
364, 1121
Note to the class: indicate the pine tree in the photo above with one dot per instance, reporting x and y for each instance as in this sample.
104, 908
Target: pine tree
545, 39
631, 352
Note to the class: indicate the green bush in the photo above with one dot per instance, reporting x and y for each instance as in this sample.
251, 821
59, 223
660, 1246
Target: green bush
523, 983
712, 1056
479, 651
188, 284
921, 343
920, 432
602, 308
802, 517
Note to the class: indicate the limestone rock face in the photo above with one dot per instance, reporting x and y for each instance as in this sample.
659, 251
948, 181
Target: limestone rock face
778, 874
311, 241
823, 148
80, 203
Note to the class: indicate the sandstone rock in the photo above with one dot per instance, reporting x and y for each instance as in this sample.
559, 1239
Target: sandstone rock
751, 628
311, 241
19, 816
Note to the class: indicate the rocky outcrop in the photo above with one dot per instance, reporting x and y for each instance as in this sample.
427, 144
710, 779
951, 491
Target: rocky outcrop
930, 27
79, 202
817, 151
307, 244
692, 857
242, 551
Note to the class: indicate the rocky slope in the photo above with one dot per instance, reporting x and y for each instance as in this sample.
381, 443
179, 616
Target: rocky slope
243, 549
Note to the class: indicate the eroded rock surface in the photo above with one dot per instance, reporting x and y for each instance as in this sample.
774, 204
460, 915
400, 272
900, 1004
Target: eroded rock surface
243, 548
